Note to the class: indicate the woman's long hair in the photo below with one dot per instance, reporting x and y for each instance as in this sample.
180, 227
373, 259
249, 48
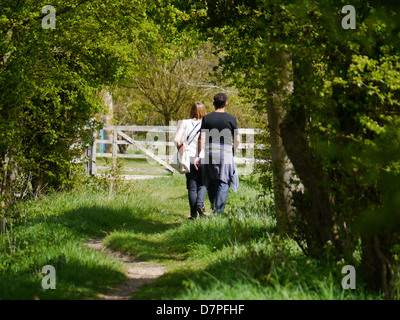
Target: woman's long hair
198, 111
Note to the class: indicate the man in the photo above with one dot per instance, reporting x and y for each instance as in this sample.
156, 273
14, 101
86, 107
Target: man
219, 138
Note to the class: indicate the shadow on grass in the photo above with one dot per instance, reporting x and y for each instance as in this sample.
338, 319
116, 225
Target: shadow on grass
242, 278
58, 239
187, 283
95, 221
78, 274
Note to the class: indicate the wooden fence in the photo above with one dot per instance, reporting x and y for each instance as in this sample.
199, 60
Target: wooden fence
154, 143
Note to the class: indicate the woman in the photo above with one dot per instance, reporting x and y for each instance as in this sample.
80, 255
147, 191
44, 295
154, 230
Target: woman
187, 136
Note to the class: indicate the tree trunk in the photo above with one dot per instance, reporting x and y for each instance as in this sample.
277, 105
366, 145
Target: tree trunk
168, 137
281, 165
107, 118
318, 210
378, 263
281, 169
316, 206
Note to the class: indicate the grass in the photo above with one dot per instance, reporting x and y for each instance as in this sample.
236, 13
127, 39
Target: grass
235, 256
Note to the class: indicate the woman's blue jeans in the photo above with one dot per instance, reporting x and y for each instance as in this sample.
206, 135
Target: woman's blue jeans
196, 190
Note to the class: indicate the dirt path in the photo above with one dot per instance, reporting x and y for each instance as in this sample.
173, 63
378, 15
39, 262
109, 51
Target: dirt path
138, 273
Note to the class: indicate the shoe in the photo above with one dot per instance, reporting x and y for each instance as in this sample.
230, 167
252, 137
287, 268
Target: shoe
192, 218
200, 211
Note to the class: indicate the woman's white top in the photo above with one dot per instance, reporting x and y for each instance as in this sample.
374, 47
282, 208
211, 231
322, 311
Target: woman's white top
193, 128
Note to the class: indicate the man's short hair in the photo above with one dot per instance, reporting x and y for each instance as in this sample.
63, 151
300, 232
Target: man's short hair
220, 100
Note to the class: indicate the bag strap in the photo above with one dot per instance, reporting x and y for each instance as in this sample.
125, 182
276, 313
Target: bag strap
187, 139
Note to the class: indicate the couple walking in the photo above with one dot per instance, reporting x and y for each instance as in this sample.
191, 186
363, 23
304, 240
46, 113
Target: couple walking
212, 142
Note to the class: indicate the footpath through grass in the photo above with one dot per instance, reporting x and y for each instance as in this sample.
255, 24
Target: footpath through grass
235, 256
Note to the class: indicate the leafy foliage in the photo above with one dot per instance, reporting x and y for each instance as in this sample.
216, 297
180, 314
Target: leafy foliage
50, 80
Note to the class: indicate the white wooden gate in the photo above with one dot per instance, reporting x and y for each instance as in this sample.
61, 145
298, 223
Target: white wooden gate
154, 148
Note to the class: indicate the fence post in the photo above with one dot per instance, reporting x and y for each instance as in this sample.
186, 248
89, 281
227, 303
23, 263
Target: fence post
114, 147
89, 151
93, 162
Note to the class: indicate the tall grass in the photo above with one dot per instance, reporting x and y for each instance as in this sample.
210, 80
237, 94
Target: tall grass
235, 256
